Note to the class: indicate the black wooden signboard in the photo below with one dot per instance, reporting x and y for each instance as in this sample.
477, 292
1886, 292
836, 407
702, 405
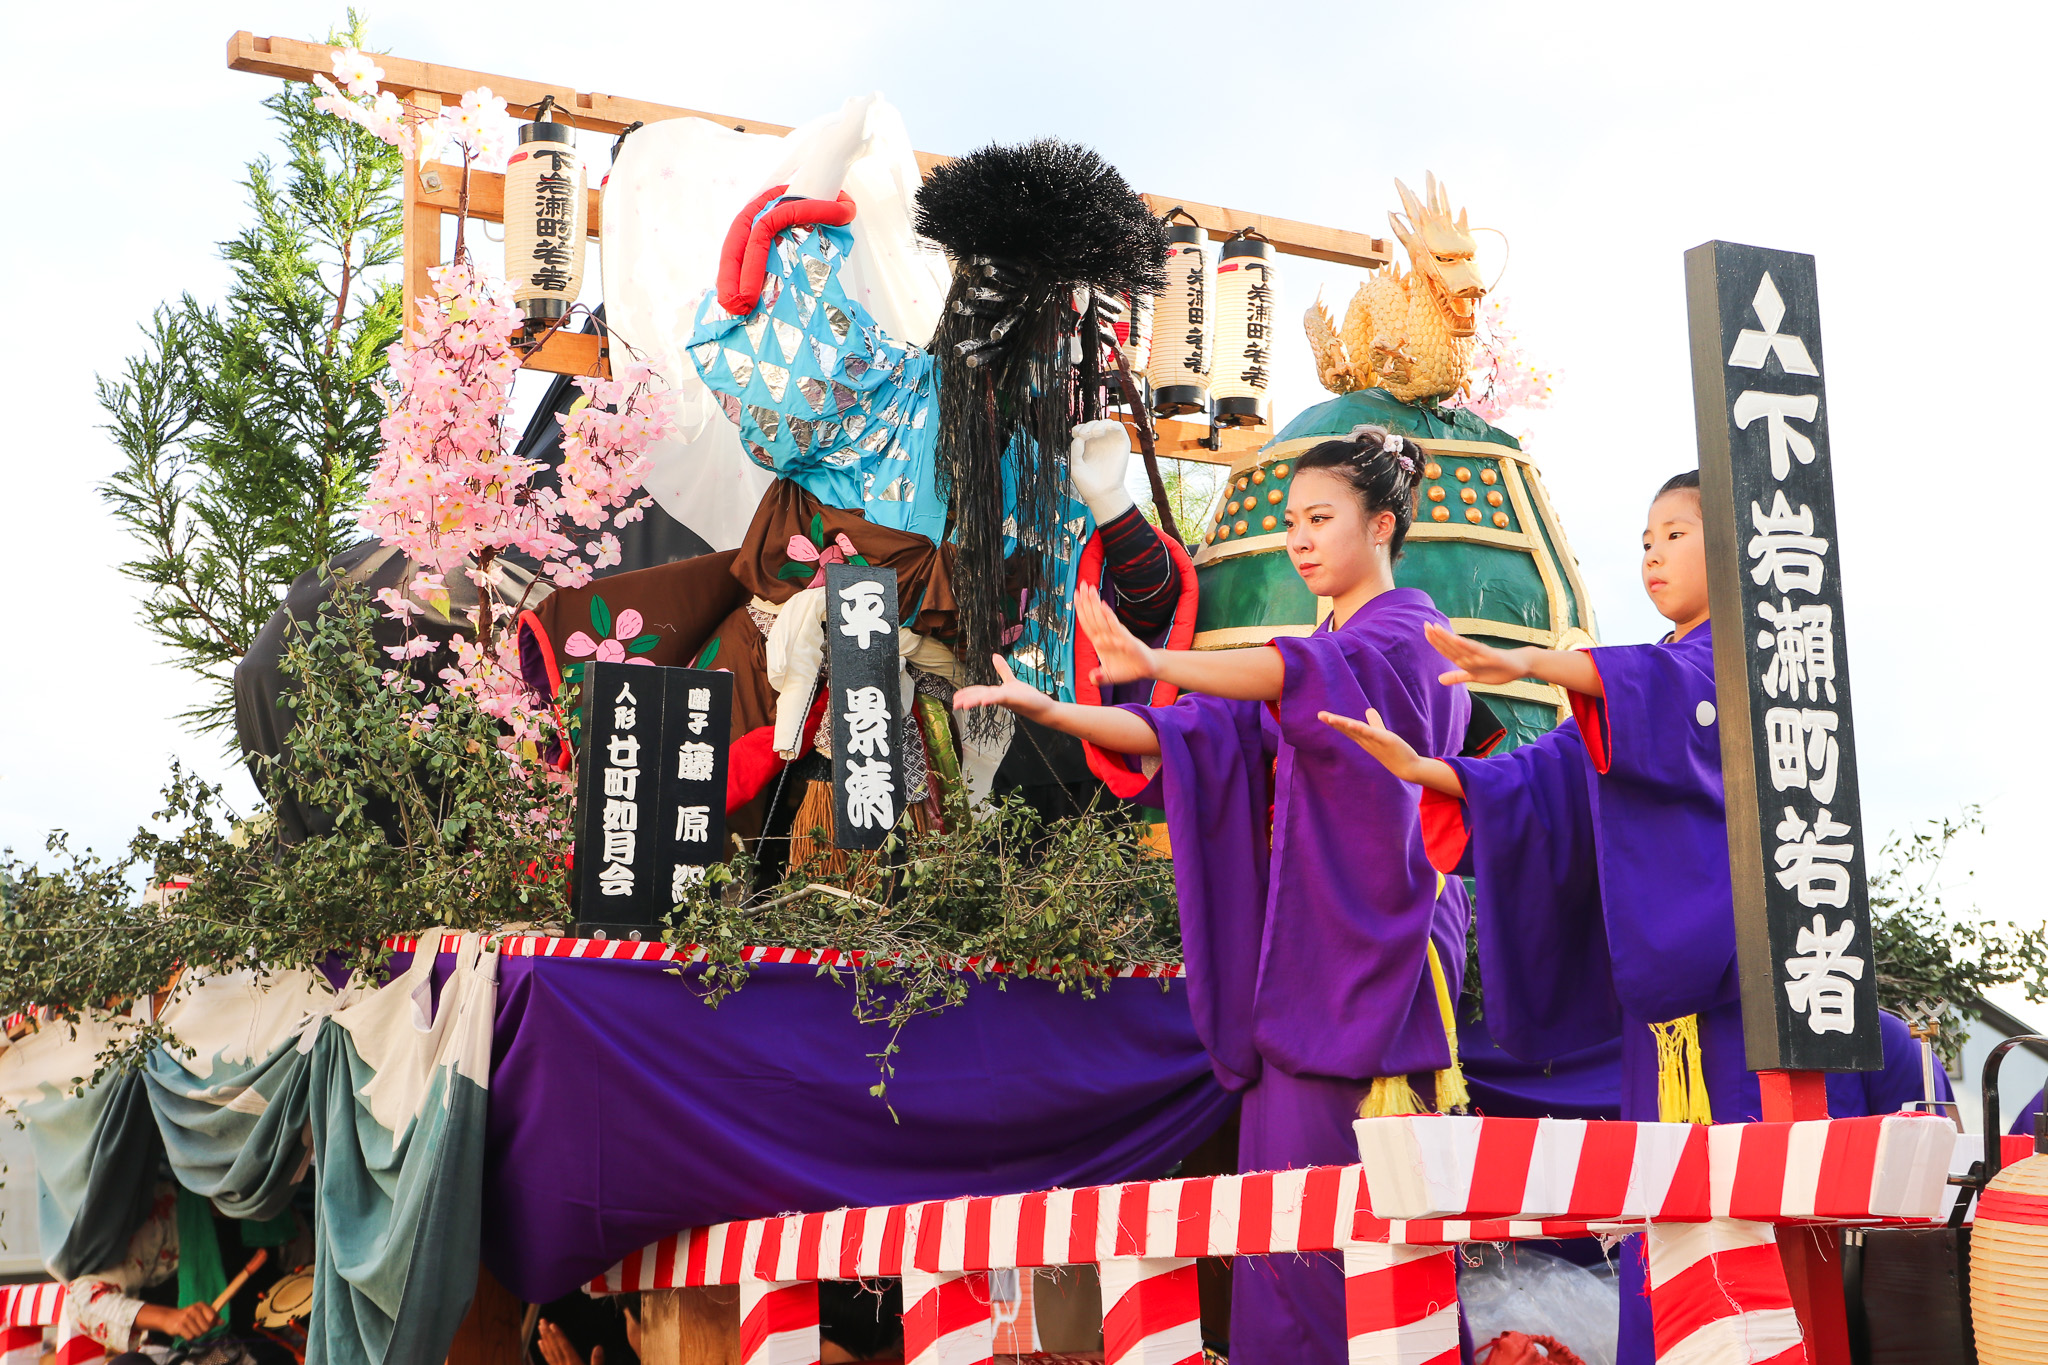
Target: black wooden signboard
696, 733
867, 749
650, 796
1795, 828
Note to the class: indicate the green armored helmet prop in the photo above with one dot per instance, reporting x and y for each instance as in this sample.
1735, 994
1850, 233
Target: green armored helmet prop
1485, 545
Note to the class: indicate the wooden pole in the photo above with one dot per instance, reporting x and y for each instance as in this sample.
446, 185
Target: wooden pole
423, 216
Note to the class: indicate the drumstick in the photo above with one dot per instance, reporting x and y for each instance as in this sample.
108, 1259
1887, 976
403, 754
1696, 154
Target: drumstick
220, 1300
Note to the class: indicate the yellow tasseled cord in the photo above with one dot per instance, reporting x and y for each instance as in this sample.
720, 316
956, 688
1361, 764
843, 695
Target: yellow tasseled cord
1451, 1094
1392, 1096
1681, 1075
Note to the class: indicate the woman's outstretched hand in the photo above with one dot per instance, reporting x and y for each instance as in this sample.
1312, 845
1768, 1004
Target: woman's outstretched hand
1120, 656
1011, 693
1473, 662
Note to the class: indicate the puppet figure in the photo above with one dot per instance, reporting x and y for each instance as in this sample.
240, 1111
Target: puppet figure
1323, 950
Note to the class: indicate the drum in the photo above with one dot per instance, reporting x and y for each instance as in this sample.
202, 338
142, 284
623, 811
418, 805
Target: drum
1485, 545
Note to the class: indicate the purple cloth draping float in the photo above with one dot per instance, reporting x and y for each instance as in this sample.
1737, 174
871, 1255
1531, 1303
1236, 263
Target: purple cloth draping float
623, 1108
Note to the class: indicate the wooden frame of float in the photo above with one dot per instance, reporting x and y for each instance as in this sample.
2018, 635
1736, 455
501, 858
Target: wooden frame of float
434, 190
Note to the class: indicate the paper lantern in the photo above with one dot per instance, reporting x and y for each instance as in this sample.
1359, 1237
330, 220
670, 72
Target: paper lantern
547, 217
2009, 1266
1245, 279
1179, 364
1134, 332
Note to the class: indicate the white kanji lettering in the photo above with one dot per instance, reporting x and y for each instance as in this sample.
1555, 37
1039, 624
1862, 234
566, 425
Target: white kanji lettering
870, 793
626, 695
698, 720
860, 611
1785, 548
1779, 408
699, 699
621, 815
1821, 981
625, 717
1752, 347
1817, 871
623, 751
623, 782
695, 763
1803, 750
619, 845
681, 878
1801, 641
615, 880
693, 824
867, 722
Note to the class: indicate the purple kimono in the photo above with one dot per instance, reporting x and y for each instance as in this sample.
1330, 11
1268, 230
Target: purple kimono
1306, 937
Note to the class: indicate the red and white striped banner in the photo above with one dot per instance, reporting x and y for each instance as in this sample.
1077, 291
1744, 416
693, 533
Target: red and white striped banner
1448, 1166
651, 950
947, 1318
1499, 1170
31, 1305
1151, 1312
778, 1322
1890, 1167
1718, 1295
21, 1345
1400, 1304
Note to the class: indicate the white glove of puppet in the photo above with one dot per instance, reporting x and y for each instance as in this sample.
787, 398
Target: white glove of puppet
1097, 461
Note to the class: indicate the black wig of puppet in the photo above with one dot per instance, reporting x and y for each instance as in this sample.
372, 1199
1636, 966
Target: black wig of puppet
1028, 227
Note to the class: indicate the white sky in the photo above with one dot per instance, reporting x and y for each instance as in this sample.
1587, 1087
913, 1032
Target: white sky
1899, 143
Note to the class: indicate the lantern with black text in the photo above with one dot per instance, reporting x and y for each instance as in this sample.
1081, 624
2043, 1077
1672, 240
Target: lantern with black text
1134, 332
546, 220
1245, 278
1179, 368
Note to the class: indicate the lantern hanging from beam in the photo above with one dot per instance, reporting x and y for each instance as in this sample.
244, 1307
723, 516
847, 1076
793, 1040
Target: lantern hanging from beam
547, 217
1179, 364
1134, 332
1245, 280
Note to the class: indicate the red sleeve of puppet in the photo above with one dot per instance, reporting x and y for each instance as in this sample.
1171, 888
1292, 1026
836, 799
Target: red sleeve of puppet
1116, 770
1591, 714
1445, 835
743, 264
752, 763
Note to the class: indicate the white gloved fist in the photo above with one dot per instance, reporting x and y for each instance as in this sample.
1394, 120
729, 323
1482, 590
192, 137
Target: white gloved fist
1097, 461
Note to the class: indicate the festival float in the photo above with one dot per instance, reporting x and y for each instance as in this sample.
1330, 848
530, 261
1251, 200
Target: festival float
854, 420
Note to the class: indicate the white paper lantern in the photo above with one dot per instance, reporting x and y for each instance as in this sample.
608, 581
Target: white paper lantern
1246, 277
1134, 332
1179, 364
547, 217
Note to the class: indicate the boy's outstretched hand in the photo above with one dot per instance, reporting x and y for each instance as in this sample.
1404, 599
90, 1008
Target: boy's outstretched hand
1012, 693
1395, 753
1475, 662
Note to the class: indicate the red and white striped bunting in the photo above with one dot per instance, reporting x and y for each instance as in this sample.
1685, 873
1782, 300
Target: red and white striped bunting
1891, 1167
1718, 1295
30, 1305
650, 950
947, 1318
1151, 1312
1504, 1170
778, 1323
1401, 1304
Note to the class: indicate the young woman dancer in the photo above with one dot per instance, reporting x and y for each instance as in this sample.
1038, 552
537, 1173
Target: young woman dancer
1322, 947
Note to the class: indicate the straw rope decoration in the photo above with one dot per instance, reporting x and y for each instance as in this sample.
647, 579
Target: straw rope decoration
1179, 364
1245, 280
547, 218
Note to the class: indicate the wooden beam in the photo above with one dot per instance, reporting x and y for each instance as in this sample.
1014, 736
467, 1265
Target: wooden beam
422, 229
1175, 440
569, 353
294, 59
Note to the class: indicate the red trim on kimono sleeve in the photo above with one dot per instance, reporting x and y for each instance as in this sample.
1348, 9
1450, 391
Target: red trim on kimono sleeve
743, 262
1444, 831
565, 757
752, 762
1591, 714
1116, 773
